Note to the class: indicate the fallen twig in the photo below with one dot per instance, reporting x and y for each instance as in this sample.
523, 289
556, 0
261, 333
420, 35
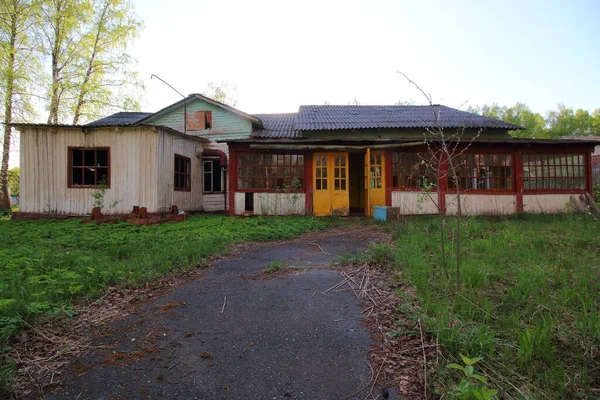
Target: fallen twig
224, 302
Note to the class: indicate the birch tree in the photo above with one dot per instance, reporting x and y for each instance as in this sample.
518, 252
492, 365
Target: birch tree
17, 65
61, 28
106, 80
86, 44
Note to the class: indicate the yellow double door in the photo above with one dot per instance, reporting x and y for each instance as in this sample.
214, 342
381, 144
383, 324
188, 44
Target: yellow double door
331, 195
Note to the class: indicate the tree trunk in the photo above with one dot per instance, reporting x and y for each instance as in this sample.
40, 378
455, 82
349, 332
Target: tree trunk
88, 72
8, 100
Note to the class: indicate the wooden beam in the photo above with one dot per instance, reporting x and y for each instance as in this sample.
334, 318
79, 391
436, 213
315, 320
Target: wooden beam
332, 147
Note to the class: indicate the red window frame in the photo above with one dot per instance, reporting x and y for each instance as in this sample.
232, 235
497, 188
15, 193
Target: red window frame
554, 171
411, 170
270, 172
89, 165
182, 173
480, 172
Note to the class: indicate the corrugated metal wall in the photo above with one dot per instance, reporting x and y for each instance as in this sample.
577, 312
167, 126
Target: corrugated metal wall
133, 162
168, 146
482, 204
548, 203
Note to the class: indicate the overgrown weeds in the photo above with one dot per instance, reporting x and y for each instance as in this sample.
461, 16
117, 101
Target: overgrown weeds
528, 303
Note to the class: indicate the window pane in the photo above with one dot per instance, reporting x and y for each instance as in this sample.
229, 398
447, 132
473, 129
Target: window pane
77, 176
102, 158
77, 157
89, 157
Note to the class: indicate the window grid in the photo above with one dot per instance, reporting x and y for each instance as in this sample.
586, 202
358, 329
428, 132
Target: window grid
413, 170
483, 172
182, 175
554, 171
270, 171
321, 172
375, 171
339, 173
89, 167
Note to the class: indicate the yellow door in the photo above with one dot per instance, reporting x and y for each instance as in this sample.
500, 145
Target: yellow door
331, 191
375, 180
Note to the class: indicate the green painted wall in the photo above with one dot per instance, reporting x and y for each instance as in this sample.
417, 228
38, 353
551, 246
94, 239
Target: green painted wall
400, 134
225, 124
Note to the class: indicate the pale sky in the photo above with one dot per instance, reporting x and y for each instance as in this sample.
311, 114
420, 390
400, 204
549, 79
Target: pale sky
282, 54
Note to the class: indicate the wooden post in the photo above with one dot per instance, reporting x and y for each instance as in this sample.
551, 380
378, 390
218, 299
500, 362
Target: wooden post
232, 179
389, 176
96, 214
143, 212
519, 181
308, 183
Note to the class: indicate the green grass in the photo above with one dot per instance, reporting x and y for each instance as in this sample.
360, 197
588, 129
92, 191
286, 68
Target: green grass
529, 303
47, 266
274, 266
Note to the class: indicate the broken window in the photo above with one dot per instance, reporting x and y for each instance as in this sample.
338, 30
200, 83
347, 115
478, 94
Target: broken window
270, 171
199, 120
413, 170
88, 167
213, 176
554, 171
182, 178
483, 172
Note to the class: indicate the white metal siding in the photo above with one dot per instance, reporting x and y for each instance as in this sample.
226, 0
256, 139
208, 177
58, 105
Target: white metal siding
548, 203
44, 169
412, 203
169, 145
482, 204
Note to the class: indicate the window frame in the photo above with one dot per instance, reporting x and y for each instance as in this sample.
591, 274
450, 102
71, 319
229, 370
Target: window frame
541, 153
186, 174
212, 161
70, 166
436, 169
475, 152
298, 167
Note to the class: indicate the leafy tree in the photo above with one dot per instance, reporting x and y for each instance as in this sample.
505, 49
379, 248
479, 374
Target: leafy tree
86, 43
519, 114
61, 28
16, 70
222, 93
14, 177
565, 122
104, 63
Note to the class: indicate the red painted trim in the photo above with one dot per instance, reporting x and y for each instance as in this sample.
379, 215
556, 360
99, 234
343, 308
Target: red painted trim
519, 181
554, 191
590, 174
232, 179
389, 178
70, 167
308, 182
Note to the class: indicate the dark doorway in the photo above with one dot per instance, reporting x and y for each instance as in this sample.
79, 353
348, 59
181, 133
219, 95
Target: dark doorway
249, 202
357, 182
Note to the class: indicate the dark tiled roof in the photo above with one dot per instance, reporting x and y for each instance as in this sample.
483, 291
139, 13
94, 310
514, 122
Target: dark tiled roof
120, 119
365, 117
276, 126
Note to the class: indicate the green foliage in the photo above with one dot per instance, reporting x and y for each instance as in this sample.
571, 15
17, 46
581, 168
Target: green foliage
274, 266
99, 193
13, 181
560, 122
470, 386
221, 92
528, 301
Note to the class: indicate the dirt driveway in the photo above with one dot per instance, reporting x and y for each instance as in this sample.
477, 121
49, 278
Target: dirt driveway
238, 333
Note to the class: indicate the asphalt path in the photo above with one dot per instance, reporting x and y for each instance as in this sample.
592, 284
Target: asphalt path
238, 333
